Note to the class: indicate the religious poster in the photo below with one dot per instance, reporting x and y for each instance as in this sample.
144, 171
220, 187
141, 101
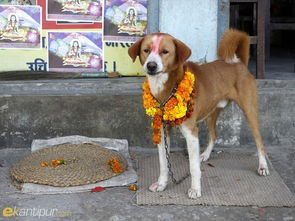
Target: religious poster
125, 20
17, 2
20, 27
75, 51
75, 10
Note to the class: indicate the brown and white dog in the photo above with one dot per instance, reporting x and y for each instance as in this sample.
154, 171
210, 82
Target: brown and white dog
217, 83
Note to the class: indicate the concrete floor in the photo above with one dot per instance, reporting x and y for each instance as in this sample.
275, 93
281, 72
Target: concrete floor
119, 203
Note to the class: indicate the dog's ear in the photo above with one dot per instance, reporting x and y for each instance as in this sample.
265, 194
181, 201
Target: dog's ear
134, 50
183, 52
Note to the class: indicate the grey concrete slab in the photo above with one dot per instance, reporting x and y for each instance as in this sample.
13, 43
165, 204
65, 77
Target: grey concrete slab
118, 203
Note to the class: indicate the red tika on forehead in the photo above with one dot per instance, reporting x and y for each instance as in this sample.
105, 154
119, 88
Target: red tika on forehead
156, 43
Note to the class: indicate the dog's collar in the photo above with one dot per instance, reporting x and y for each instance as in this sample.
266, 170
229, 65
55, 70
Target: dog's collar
173, 111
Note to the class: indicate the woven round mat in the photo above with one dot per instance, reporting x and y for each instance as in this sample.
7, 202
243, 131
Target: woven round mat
85, 164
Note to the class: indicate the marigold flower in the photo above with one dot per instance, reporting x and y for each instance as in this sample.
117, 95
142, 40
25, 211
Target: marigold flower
54, 163
178, 122
192, 102
133, 187
44, 164
151, 111
157, 137
115, 165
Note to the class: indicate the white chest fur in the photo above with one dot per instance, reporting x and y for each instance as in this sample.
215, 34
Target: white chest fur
157, 83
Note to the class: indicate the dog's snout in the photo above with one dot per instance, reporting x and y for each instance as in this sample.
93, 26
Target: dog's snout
152, 66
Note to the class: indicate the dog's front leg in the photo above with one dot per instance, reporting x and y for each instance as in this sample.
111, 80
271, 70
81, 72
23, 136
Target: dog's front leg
192, 140
161, 184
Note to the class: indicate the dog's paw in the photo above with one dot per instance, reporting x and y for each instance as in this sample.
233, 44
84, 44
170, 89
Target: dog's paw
194, 193
204, 157
157, 187
263, 170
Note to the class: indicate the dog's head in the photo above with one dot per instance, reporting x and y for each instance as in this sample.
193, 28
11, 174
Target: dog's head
159, 53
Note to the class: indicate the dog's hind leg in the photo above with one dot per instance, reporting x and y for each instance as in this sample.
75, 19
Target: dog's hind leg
211, 125
162, 182
247, 101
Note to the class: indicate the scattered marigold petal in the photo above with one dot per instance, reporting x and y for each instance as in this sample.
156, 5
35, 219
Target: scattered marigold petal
54, 163
133, 187
44, 164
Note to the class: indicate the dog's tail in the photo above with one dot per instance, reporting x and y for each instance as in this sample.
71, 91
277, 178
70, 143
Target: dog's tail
234, 47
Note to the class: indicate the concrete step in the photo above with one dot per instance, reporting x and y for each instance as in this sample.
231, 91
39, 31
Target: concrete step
113, 108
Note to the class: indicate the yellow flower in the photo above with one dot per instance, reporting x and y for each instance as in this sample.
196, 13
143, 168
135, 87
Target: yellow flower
151, 111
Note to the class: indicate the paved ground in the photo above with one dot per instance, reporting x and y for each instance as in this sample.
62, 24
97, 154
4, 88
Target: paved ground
119, 203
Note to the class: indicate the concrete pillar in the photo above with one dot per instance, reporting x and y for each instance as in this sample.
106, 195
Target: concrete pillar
153, 16
198, 23
194, 22
223, 17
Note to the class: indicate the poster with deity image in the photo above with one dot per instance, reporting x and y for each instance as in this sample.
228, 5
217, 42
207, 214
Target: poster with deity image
20, 27
75, 51
75, 10
18, 2
125, 20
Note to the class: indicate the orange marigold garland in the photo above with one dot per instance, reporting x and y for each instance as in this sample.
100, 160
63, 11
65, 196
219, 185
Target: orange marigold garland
177, 109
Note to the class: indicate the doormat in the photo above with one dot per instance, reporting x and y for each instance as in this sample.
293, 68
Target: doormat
227, 180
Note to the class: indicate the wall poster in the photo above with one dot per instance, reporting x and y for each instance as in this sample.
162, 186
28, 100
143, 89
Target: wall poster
17, 2
74, 10
125, 20
75, 51
20, 27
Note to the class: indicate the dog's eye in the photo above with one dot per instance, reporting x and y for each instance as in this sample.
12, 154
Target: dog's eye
146, 51
165, 52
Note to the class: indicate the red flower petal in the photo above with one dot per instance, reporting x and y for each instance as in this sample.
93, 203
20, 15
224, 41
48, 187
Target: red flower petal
97, 189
